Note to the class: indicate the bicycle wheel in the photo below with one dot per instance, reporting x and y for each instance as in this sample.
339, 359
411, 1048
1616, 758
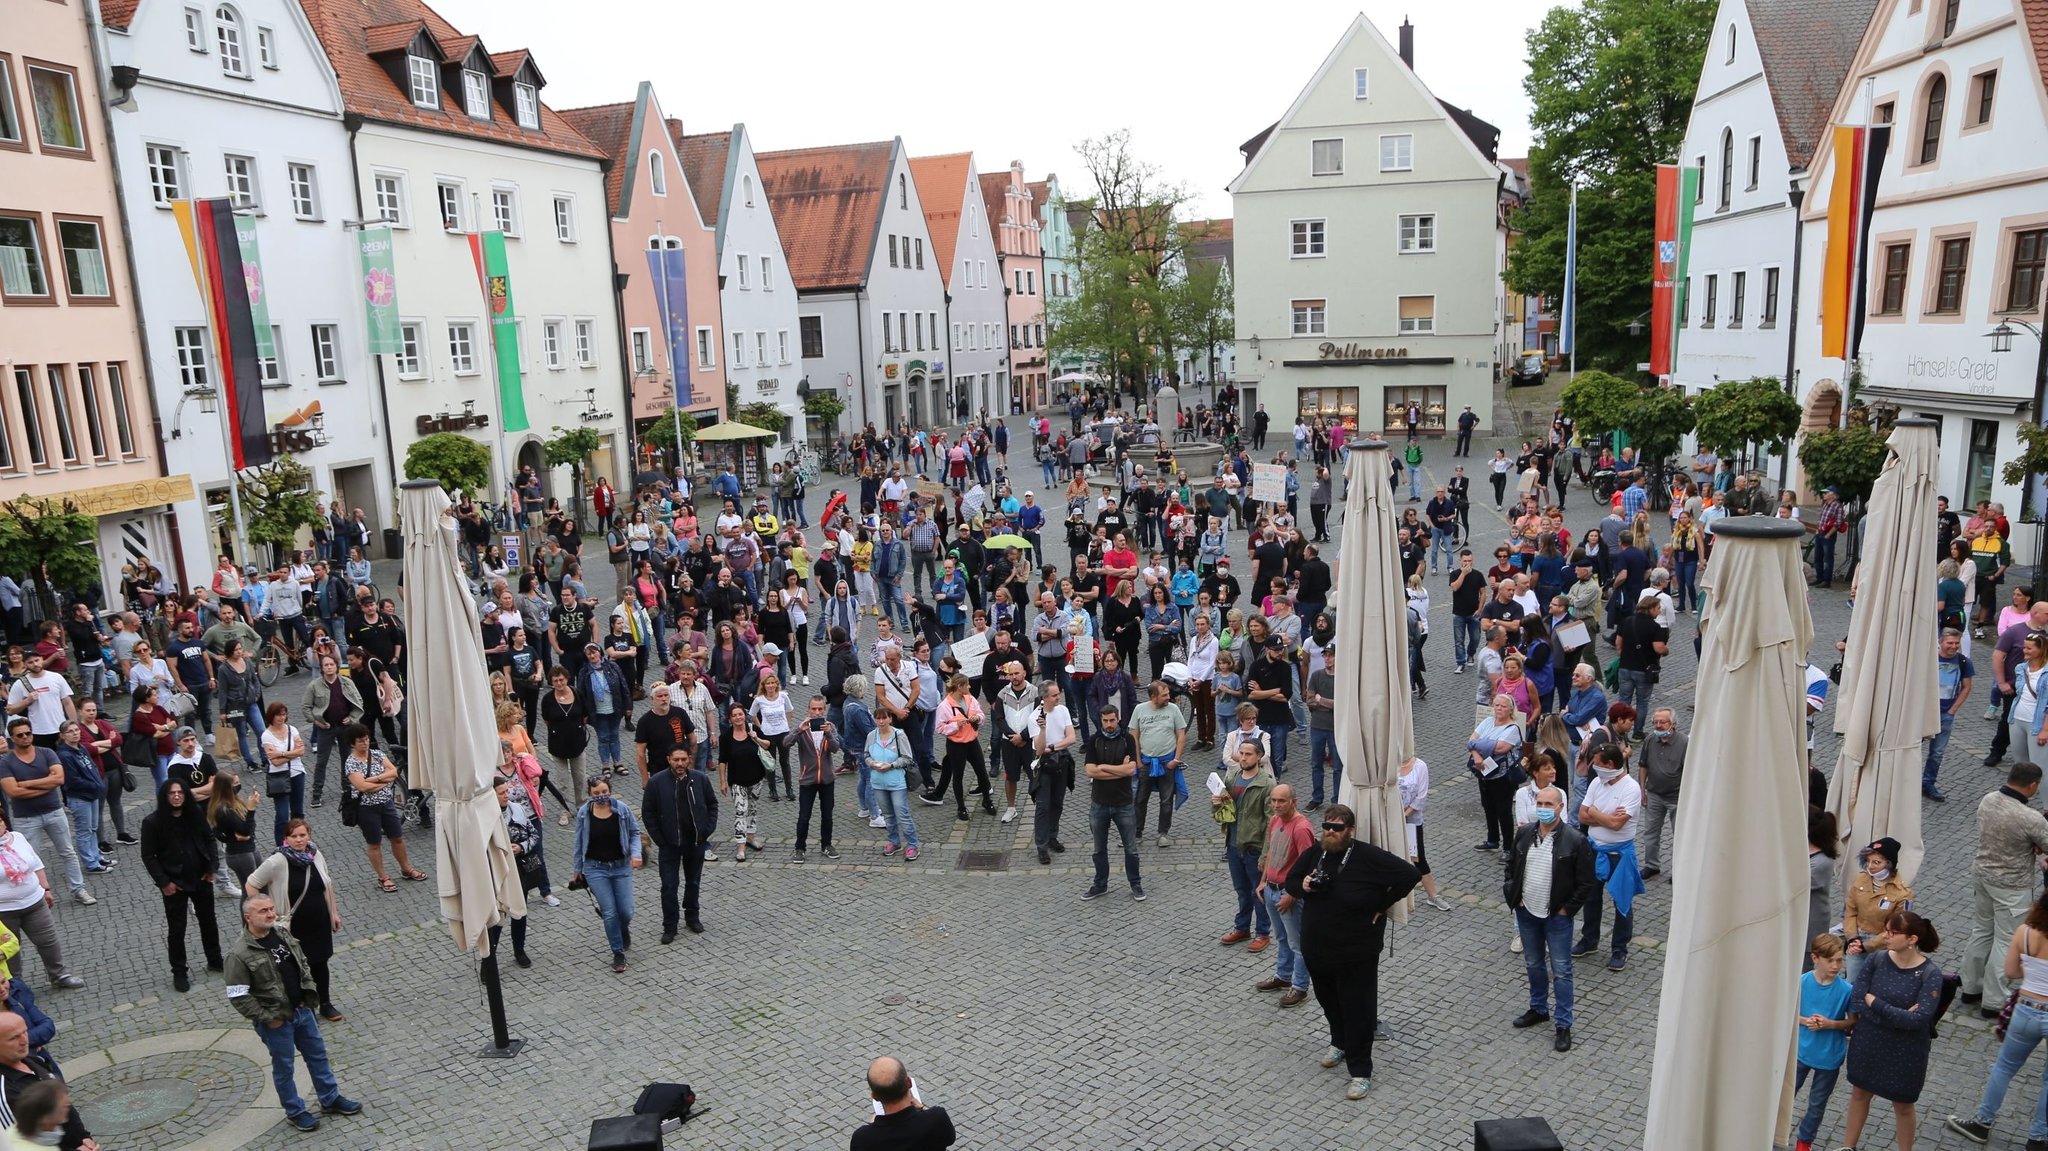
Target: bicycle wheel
268, 666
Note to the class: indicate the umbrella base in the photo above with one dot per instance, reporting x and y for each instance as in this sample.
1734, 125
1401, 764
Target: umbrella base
493, 1051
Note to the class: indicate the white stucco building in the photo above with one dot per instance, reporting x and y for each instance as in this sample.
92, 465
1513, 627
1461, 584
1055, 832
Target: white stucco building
238, 100
869, 295
1367, 254
977, 366
449, 139
1958, 239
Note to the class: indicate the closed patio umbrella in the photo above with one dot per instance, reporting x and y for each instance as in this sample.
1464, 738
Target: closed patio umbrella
452, 737
1374, 721
1887, 704
1739, 879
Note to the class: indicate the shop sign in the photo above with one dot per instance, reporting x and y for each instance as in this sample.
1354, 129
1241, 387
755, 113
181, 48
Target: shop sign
1330, 351
112, 499
1978, 372
889, 371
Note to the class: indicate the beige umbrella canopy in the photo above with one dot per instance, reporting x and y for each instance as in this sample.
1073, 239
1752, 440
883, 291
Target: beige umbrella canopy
1887, 703
1738, 908
452, 734
733, 430
1375, 723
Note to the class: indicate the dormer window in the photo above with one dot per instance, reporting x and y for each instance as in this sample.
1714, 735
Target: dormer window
422, 85
527, 103
476, 95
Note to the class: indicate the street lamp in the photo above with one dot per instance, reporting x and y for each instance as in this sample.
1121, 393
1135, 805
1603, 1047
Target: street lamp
2001, 336
2001, 343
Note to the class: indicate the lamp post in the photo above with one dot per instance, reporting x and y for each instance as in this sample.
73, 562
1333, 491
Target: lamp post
2001, 344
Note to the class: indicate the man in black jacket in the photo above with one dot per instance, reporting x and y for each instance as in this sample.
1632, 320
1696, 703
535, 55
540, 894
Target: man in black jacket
1550, 874
181, 855
680, 811
1346, 887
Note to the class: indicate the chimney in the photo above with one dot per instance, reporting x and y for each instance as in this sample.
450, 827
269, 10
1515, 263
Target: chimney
1407, 43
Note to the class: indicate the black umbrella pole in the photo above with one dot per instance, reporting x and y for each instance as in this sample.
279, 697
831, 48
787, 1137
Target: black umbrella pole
503, 1046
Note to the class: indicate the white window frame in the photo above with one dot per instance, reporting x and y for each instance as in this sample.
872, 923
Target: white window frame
165, 164
476, 94
387, 194
462, 347
195, 31
1417, 328
195, 362
240, 174
551, 345
422, 82
641, 340
657, 173
1308, 239
761, 349
526, 106
266, 47
327, 363
117, 397
782, 345
745, 285
1400, 142
447, 195
1318, 157
739, 349
227, 36
1361, 83
302, 182
585, 334
707, 349
565, 219
1416, 234
767, 274
505, 210
1307, 320
271, 368
411, 355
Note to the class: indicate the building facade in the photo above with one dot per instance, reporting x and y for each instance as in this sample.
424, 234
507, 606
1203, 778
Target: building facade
1206, 367
452, 140
652, 209
1958, 238
237, 100
964, 250
869, 295
1367, 253
1056, 242
76, 420
756, 293
1012, 209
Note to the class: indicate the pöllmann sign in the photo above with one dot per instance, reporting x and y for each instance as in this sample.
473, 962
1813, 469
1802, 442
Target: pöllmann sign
1333, 351
1960, 369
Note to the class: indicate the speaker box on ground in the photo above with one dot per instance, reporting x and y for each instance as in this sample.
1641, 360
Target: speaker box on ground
626, 1133
1530, 1133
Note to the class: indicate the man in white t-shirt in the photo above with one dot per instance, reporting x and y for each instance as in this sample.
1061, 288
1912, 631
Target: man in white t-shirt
1608, 812
1052, 733
45, 698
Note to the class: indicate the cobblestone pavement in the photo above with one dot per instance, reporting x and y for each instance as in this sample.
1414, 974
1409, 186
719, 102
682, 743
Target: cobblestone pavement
1038, 1020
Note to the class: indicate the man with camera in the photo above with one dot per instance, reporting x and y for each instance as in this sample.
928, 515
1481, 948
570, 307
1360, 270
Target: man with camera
1346, 888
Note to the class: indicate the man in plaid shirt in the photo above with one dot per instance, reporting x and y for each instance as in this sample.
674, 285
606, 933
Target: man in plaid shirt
1832, 524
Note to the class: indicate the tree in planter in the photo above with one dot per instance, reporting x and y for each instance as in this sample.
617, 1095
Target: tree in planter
1657, 424
824, 408
574, 447
1734, 415
277, 501
459, 463
55, 541
1851, 457
763, 415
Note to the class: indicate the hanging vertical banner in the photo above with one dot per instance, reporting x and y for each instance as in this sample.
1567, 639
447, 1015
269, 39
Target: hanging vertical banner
254, 287
1568, 317
672, 291
1677, 189
1858, 158
493, 273
380, 291
216, 250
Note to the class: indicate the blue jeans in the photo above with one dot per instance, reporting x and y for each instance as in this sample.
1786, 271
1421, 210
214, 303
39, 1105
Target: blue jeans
1824, 558
612, 885
85, 830
248, 731
300, 1033
893, 608
1816, 1099
864, 788
1244, 877
1415, 482
1321, 743
2028, 1028
1937, 747
1277, 733
1287, 962
286, 808
1464, 638
894, 804
1635, 689
921, 723
1440, 541
1125, 817
1686, 575
1547, 953
608, 753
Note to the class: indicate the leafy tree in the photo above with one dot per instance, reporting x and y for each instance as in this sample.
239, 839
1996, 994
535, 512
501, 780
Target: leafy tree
824, 407
1611, 88
1598, 402
277, 500
1199, 304
1738, 413
1851, 457
663, 432
2033, 457
52, 539
574, 447
1657, 423
763, 415
461, 464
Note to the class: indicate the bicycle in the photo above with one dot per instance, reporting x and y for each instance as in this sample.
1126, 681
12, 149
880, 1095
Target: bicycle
268, 665
805, 460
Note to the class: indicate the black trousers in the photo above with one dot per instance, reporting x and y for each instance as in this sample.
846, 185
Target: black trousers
2001, 739
953, 773
1349, 994
1497, 800
201, 901
1319, 515
683, 864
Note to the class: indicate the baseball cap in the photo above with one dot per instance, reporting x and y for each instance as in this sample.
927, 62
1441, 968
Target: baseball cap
592, 647
184, 733
771, 649
1031, 493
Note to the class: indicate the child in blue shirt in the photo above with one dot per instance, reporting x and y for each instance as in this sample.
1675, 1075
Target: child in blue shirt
1185, 585
1229, 691
1823, 1031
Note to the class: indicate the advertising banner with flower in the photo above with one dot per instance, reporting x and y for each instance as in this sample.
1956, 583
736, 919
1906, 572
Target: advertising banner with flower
380, 292
259, 292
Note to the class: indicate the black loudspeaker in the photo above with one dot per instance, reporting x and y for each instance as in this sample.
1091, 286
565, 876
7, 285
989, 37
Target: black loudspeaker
1530, 1133
626, 1133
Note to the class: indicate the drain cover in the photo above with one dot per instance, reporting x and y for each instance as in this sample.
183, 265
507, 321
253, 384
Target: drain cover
984, 861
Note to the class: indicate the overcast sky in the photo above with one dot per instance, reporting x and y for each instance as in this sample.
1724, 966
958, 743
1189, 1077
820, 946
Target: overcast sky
1026, 82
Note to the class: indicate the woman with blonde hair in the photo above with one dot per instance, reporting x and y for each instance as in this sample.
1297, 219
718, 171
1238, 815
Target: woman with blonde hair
233, 819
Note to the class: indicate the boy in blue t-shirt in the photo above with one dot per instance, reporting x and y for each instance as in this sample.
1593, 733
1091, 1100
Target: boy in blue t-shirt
1823, 1031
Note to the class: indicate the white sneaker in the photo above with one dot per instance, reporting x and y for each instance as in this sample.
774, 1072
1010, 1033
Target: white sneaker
1516, 946
805, 680
1332, 1057
208, 737
1359, 1086
1009, 815
551, 901
1442, 904
710, 856
85, 898
878, 821
1166, 841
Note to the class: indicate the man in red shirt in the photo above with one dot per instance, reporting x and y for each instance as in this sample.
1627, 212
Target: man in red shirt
1287, 836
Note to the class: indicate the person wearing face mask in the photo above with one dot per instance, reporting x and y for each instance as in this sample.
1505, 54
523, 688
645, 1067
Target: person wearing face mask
1608, 813
40, 1112
1550, 877
1875, 893
1662, 760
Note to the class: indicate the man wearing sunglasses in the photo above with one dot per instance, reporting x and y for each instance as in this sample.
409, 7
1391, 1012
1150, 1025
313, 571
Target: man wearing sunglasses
1346, 887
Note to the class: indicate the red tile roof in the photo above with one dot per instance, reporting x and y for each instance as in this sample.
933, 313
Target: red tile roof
345, 29
827, 204
995, 195
1807, 48
117, 13
2034, 18
1519, 165
704, 158
608, 126
380, 38
942, 190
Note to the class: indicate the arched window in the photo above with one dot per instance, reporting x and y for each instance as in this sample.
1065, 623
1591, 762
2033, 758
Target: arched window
902, 192
1731, 43
1949, 12
657, 174
1930, 120
1727, 166
747, 185
227, 34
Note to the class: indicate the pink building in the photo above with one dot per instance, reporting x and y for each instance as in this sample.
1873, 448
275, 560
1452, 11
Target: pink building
653, 207
1013, 216
75, 414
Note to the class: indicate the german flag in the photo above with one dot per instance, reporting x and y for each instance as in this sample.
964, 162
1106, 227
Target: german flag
208, 228
1858, 160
